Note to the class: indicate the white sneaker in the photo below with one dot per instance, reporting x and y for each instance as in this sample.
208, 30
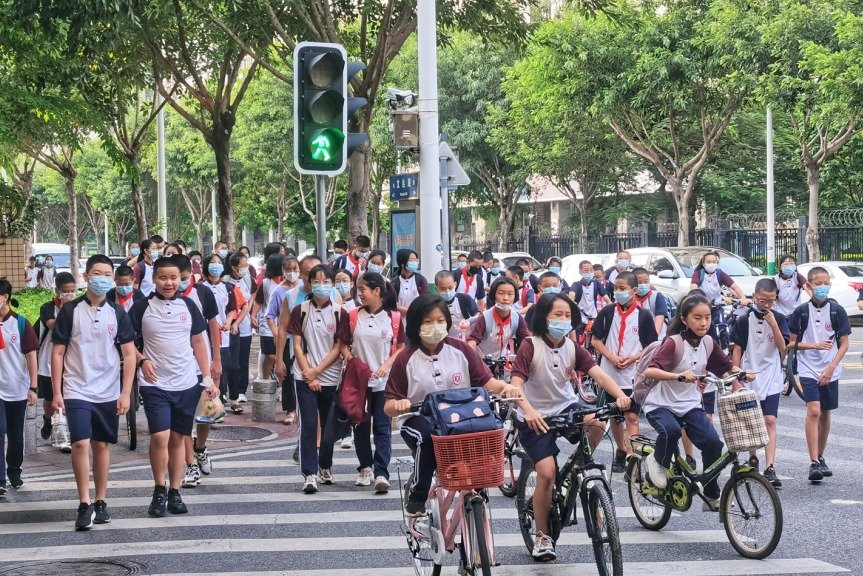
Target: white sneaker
192, 476
382, 485
543, 548
242, 399
347, 442
311, 484
204, 463
711, 505
365, 477
656, 473
325, 476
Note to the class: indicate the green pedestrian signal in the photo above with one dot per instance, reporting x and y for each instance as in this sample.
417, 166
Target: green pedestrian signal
326, 145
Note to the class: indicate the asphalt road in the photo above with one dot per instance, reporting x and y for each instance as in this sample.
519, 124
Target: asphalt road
250, 517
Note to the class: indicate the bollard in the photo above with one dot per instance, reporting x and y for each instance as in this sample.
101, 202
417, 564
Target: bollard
30, 428
265, 406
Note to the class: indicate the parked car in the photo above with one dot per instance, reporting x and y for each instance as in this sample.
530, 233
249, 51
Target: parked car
507, 259
846, 281
671, 269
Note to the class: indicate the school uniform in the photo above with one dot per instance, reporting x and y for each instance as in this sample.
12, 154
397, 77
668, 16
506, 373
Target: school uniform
225, 304
586, 297
316, 327
262, 298
125, 302
470, 284
31, 277
498, 337
656, 303
143, 277
14, 387
712, 284
415, 374
547, 387
289, 398
811, 363
165, 328
409, 289
46, 277
206, 302
47, 312
526, 297
356, 267
462, 307
672, 404
761, 356
790, 293
610, 276
242, 340
91, 366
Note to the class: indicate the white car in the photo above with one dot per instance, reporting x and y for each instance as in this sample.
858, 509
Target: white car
846, 281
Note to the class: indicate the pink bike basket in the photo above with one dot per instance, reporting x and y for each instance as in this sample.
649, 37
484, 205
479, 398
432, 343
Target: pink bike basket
470, 461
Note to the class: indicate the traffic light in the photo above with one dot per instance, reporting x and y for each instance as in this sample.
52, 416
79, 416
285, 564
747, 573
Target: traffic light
322, 108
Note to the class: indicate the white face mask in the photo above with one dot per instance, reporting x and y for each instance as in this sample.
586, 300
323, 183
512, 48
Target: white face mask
292, 276
432, 334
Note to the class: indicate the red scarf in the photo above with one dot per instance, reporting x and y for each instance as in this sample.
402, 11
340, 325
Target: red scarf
500, 323
524, 288
57, 302
121, 300
468, 280
641, 300
359, 264
624, 314
190, 287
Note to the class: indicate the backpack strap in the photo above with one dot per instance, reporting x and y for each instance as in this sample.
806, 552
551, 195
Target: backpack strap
834, 318
578, 290
304, 311
463, 306
538, 352
396, 320
651, 301
22, 326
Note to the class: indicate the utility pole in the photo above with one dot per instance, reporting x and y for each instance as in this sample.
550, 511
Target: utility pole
321, 215
162, 202
771, 212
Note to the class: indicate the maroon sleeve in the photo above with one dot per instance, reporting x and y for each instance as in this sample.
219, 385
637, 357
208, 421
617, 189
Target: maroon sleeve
522, 333
30, 343
727, 280
477, 370
583, 360
400, 335
422, 285
259, 296
664, 357
477, 333
343, 333
397, 384
295, 324
523, 358
801, 280
719, 363
696, 277
232, 302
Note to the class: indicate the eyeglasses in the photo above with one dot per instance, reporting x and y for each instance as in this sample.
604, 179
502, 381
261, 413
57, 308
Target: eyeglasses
765, 303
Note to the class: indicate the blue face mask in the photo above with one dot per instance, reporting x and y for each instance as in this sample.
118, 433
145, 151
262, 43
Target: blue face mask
363, 255
184, 284
413, 265
460, 265
375, 268
448, 296
555, 269
789, 270
99, 285
623, 263
642, 289
622, 297
154, 254
558, 329
215, 269
551, 290
344, 288
495, 271
135, 251
124, 290
223, 253
322, 290
820, 293
586, 276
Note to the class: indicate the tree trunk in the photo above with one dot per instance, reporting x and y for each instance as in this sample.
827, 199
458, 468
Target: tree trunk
74, 249
359, 191
813, 181
506, 221
221, 145
141, 227
675, 188
582, 219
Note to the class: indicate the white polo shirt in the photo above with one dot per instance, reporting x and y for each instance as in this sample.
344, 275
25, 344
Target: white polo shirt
48, 311
319, 332
224, 304
811, 363
91, 366
760, 352
166, 328
371, 340
145, 284
14, 374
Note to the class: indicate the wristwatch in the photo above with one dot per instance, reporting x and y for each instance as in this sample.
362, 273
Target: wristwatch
34, 390
141, 363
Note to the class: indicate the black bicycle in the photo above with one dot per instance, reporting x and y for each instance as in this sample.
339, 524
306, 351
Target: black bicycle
579, 479
513, 452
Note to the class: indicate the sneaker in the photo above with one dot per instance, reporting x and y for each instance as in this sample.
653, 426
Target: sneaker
85, 517
710, 505
770, 475
825, 470
347, 442
618, 466
311, 484
220, 418
14, 478
175, 502
325, 476
204, 463
100, 507
365, 477
47, 429
753, 461
158, 504
543, 548
192, 477
296, 455
415, 507
3, 489
815, 474
242, 399
691, 462
382, 485
656, 472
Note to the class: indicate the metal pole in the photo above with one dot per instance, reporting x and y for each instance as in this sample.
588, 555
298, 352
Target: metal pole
430, 248
444, 214
321, 214
162, 202
771, 214
107, 242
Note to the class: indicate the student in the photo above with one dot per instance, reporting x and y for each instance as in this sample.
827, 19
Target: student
317, 369
31, 273
345, 288
226, 305
791, 284
545, 384
143, 272
526, 295
554, 265
197, 459
220, 248
431, 362
171, 336
267, 348
527, 266
284, 356
652, 300
462, 308
133, 254
493, 271
588, 291
372, 334
253, 274
470, 280
408, 284
550, 283
18, 370
172, 250
124, 293
377, 262
197, 270
675, 401
243, 288
47, 274
819, 329
64, 291
355, 261
620, 333
460, 263
759, 337
340, 248
499, 331
708, 278
90, 334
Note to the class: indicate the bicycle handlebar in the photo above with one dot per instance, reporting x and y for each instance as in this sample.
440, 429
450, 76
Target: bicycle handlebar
576, 417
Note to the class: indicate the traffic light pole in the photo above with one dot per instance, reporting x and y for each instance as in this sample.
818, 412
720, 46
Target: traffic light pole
321, 215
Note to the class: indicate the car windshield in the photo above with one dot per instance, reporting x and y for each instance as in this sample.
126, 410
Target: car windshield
851, 270
728, 263
61, 259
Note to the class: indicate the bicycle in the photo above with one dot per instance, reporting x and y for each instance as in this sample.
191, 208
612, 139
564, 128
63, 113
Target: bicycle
725, 312
457, 503
792, 382
581, 476
588, 391
746, 497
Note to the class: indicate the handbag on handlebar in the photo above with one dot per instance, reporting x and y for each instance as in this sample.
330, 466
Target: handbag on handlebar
742, 421
460, 411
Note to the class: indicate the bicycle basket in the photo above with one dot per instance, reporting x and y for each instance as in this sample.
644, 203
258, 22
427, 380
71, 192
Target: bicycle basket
469, 461
742, 421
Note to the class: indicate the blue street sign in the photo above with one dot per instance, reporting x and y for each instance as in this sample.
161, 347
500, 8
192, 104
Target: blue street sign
404, 186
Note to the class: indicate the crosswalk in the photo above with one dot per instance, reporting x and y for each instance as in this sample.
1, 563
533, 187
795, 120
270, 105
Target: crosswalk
250, 518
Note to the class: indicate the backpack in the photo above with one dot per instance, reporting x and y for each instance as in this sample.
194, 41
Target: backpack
460, 411
701, 272
642, 386
464, 305
395, 318
304, 311
669, 302
834, 319
514, 320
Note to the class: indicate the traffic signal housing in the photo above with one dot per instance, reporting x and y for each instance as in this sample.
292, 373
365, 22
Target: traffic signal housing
323, 107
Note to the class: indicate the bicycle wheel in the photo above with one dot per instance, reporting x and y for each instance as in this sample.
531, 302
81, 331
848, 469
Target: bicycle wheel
132, 419
477, 521
511, 465
605, 537
524, 505
752, 515
422, 549
650, 513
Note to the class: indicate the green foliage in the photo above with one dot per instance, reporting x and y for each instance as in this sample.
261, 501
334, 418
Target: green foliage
29, 302
16, 212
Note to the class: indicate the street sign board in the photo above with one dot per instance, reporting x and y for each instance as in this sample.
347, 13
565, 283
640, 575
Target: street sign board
456, 176
403, 231
404, 186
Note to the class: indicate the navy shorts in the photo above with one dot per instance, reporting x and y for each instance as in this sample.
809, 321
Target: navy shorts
828, 395
268, 346
46, 389
97, 421
541, 446
770, 405
171, 409
708, 402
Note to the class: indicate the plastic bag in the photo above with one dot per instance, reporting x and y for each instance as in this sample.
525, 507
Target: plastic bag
60, 431
209, 410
